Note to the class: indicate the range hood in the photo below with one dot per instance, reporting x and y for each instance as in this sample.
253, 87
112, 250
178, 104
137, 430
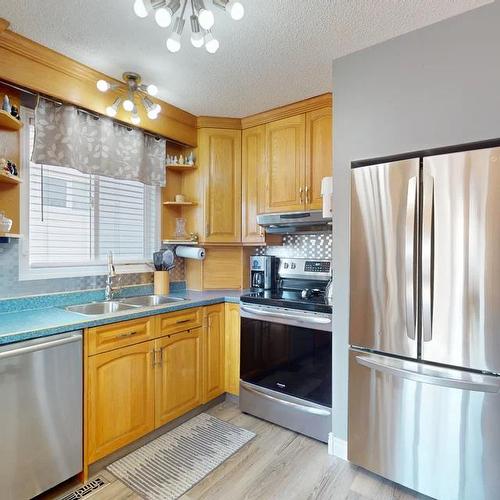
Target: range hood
295, 222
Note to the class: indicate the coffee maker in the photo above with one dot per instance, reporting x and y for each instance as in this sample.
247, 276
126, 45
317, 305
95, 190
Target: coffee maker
263, 272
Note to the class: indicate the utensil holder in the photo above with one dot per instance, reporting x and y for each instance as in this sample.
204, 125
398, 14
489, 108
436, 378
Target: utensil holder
161, 283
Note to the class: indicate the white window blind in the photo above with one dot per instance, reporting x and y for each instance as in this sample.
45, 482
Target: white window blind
74, 219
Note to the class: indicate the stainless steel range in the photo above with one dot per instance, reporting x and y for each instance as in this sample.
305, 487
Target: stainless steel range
286, 349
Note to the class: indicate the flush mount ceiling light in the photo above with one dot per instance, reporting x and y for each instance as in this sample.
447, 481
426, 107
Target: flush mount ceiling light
136, 91
202, 19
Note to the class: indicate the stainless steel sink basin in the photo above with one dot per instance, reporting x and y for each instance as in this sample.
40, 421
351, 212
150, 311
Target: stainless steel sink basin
96, 308
151, 300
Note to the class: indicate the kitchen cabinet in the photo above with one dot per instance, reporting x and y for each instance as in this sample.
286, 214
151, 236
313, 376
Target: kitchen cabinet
213, 349
285, 164
318, 154
232, 348
120, 398
220, 169
298, 156
178, 362
253, 183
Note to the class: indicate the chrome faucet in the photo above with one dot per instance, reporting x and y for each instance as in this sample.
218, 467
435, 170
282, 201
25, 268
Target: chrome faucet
110, 289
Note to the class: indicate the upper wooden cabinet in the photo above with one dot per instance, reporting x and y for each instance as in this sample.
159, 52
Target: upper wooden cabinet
220, 168
253, 183
285, 164
318, 154
297, 155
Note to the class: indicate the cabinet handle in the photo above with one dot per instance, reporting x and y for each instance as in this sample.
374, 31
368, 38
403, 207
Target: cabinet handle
154, 352
301, 195
307, 195
183, 321
125, 335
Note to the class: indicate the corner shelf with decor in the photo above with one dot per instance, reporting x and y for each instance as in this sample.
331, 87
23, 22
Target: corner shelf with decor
10, 149
181, 196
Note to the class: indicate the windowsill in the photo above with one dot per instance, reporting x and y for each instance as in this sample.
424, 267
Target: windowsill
32, 274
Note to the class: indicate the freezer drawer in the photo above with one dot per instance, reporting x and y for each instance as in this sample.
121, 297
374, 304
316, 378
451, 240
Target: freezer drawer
432, 429
40, 414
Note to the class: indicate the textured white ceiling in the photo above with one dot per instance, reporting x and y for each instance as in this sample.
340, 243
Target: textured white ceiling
279, 53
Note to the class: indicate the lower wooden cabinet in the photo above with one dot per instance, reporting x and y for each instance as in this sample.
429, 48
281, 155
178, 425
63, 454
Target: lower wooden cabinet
232, 348
120, 398
213, 349
178, 365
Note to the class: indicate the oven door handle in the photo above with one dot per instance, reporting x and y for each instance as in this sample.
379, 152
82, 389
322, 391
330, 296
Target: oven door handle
278, 315
297, 406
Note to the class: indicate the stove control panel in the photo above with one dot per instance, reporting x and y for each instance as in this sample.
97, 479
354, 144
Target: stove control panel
305, 269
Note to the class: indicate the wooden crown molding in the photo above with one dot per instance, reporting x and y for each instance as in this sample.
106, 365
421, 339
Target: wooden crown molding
4, 24
297, 108
38, 68
218, 122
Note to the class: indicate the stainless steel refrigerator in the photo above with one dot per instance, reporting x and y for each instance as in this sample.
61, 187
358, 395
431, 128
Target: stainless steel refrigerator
424, 401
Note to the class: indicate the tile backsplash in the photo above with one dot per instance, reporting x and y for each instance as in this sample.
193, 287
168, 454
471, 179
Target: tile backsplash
308, 246
10, 286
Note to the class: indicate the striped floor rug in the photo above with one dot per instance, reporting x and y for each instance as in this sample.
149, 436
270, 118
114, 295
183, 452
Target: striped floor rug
173, 463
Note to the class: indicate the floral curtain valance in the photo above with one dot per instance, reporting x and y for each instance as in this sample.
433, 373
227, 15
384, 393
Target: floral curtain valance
68, 137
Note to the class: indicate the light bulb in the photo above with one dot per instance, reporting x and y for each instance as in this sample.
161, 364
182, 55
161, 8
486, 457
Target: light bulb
157, 109
135, 118
174, 42
235, 9
152, 114
128, 105
206, 18
103, 85
197, 39
152, 90
140, 9
163, 17
110, 111
211, 43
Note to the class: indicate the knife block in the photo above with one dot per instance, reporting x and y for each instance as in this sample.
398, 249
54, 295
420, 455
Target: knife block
161, 282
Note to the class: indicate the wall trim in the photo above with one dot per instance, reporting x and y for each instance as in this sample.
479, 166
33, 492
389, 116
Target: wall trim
296, 108
218, 122
340, 448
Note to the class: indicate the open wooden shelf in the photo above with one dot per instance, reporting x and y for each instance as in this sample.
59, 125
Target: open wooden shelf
9, 178
180, 168
8, 122
180, 203
10, 235
173, 241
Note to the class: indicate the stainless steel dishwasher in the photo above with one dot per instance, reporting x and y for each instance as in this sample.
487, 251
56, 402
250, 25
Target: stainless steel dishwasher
40, 414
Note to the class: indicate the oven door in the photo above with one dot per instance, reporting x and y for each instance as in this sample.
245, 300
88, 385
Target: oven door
289, 352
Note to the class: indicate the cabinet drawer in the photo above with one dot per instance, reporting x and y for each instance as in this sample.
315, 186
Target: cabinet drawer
180, 321
109, 337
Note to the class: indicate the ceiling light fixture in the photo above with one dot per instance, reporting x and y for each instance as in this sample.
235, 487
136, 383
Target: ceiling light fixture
135, 91
202, 19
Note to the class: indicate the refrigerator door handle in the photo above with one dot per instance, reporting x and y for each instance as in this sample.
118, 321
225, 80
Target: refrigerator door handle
427, 255
442, 377
410, 235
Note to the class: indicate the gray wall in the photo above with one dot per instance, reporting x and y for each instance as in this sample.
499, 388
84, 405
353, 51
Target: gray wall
436, 86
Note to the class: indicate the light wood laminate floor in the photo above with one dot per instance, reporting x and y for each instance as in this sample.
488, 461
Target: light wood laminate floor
277, 464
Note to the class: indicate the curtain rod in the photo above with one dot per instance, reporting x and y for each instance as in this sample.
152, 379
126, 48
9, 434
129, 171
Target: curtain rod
82, 110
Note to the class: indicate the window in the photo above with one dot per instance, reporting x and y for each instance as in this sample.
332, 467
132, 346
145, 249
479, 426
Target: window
73, 219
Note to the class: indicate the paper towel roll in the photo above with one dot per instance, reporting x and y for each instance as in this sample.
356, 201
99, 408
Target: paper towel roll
190, 252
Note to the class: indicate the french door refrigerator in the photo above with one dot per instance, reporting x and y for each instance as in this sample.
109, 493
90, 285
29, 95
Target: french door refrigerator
424, 362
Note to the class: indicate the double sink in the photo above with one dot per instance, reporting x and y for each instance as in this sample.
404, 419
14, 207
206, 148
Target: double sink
112, 306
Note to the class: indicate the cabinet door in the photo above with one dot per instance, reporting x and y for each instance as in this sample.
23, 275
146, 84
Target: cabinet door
285, 159
253, 183
120, 398
220, 161
232, 348
318, 154
177, 375
213, 352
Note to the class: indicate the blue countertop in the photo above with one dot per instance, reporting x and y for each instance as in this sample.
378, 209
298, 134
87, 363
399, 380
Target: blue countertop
18, 323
